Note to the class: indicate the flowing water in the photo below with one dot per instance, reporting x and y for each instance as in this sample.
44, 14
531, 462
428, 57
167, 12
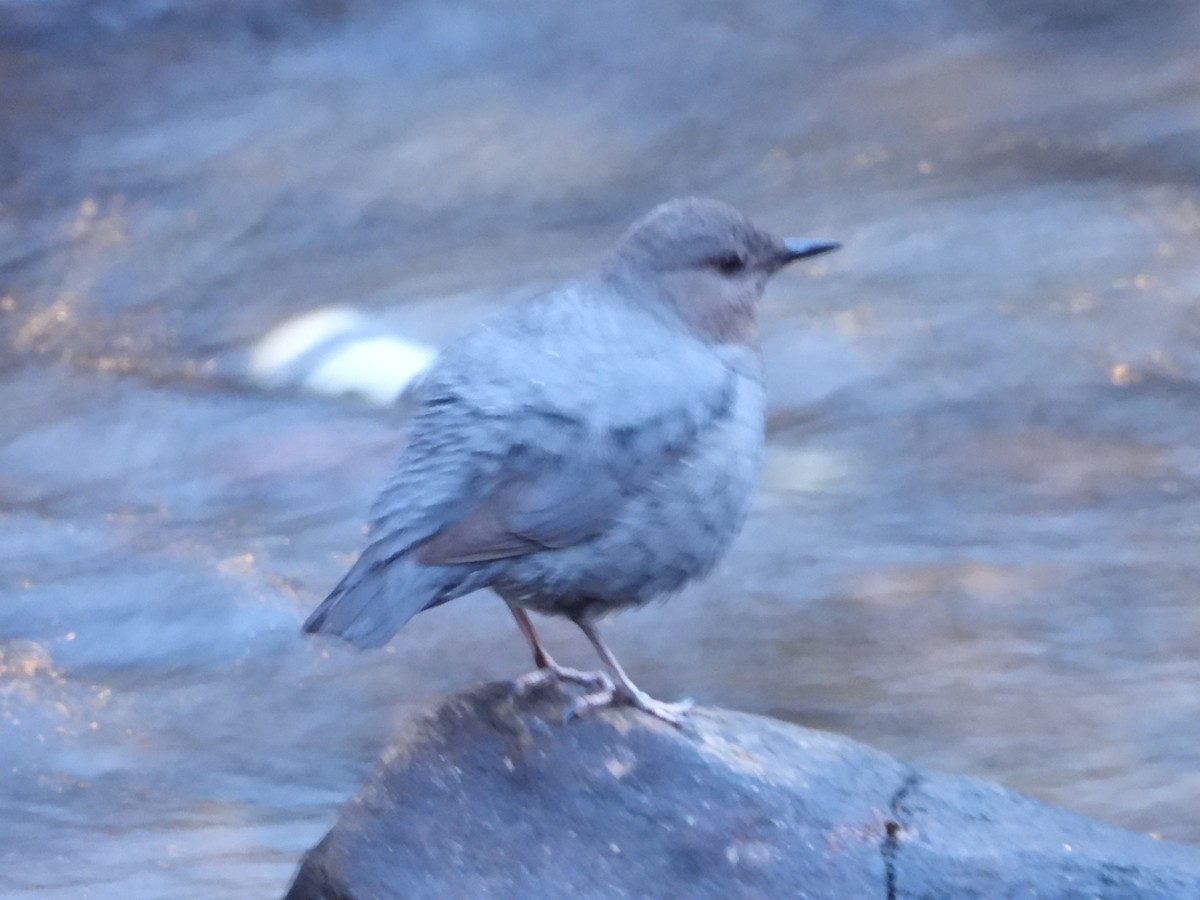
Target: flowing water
977, 542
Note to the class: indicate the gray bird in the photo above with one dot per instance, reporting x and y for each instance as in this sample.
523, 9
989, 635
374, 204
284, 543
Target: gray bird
590, 451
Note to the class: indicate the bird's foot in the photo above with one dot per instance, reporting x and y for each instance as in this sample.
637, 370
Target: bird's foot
671, 713
553, 673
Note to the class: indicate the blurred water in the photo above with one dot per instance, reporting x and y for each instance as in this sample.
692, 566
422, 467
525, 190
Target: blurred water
975, 545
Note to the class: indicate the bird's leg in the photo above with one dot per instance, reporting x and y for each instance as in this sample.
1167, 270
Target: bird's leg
548, 671
625, 691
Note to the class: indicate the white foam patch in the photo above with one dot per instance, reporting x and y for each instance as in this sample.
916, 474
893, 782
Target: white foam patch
336, 351
290, 340
378, 369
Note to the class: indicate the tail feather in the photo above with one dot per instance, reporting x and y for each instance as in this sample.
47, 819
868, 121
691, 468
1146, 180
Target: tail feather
378, 596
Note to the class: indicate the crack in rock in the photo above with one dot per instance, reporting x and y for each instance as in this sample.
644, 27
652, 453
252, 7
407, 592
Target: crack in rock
896, 828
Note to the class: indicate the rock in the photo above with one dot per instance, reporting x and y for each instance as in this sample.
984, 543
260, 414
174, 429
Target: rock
487, 796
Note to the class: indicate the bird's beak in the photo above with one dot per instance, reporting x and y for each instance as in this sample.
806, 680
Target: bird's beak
799, 248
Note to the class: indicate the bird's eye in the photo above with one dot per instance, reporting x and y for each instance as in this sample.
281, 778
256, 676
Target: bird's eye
728, 263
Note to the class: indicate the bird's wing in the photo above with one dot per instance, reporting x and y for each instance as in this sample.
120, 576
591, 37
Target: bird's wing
540, 452
567, 491
557, 507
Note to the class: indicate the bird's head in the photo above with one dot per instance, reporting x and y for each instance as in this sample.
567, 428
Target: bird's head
708, 263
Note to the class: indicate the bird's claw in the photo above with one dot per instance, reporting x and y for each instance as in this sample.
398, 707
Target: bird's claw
553, 673
671, 713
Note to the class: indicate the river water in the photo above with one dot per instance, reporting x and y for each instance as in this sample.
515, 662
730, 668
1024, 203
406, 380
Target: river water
977, 542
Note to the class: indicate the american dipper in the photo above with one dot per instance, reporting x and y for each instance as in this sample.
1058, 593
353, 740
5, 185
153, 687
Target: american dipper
589, 451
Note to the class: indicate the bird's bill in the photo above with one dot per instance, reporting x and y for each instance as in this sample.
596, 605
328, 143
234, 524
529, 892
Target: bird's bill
801, 248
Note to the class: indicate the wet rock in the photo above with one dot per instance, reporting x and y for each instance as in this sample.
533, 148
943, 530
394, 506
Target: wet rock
487, 796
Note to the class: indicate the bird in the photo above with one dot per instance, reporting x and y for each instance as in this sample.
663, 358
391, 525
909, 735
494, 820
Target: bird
586, 452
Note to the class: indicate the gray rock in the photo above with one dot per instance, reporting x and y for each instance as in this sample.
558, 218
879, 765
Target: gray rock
487, 796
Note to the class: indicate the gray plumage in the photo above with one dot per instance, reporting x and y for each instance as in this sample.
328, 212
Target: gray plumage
591, 450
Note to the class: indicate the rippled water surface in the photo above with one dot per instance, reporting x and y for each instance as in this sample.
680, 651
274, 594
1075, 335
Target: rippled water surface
977, 543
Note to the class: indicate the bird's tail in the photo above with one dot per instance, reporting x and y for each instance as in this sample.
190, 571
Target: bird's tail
379, 595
